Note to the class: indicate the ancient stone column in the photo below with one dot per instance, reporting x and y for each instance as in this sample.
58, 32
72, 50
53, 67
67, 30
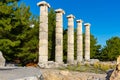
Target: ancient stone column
87, 41
79, 41
70, 45
59, 36
43, 32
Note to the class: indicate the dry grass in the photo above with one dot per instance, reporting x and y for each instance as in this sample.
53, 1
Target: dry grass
94, 68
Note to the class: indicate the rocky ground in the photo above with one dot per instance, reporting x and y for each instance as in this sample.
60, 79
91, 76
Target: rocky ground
48, 74
53, 74
19, 73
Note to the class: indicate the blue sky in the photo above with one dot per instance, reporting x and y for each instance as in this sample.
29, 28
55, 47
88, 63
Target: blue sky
103, 15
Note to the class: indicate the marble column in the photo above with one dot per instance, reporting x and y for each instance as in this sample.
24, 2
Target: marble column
70, 45
43, 32
87, 41
79, 41
59, 36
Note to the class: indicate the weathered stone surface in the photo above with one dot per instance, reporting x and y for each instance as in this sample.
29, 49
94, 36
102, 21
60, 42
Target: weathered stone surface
2, 60
64, 72
70, 50
79, 41
118, 60
115, 74
29, 78
87, 41
109, 72
20, 73
59, 36
92, 61
52, 74
43, 32
52, 64
43, 3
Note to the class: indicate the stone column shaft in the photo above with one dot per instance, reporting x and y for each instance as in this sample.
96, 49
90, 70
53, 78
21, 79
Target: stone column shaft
43, 32
87, 41
59, 36
70, 47
79, 41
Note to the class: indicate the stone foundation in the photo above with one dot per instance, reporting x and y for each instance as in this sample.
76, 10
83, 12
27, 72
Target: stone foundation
52, 64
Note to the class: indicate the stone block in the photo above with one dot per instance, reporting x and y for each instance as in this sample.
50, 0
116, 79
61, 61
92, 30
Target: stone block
2, 60
59, 30
118, 60
20, 73
92, 61
115, 75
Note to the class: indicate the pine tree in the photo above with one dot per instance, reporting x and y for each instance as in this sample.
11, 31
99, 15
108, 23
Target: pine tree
51, 34
14, 30
111, 51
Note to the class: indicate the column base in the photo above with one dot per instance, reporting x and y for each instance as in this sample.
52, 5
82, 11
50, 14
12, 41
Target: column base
51, 64
91, 61
59, 60
72, 63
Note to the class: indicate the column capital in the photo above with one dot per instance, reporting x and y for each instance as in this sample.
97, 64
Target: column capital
87, 24
79, 21
43, 3
60, 11
71, 16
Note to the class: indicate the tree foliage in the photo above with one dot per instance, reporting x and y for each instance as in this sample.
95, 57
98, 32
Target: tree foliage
112, 49
94, 48
65, 45
8, 1
17, 40
51, 34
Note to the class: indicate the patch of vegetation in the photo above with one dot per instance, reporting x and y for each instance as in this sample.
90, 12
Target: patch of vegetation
93, 68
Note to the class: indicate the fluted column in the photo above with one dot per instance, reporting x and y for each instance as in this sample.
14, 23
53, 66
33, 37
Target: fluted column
70, 47
79, 41
59, 36
43, 32
87, 41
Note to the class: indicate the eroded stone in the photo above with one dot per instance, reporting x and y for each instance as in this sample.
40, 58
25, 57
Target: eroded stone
2, 60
